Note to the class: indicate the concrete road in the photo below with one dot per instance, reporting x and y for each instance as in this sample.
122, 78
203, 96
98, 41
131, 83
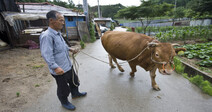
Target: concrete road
112, 91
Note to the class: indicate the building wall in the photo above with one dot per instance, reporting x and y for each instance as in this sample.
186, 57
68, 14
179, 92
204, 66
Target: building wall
203, 22
71, 21
71, 26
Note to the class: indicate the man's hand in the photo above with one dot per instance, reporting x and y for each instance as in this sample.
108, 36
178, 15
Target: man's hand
74, 51
59, 71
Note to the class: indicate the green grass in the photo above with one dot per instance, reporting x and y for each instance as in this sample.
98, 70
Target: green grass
17, 94
37, 66
82, 44
198, 80
37, 85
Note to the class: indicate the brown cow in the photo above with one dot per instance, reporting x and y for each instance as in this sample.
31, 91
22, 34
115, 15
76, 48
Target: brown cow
139, 49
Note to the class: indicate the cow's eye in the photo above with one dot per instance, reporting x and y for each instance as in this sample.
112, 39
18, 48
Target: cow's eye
156, 54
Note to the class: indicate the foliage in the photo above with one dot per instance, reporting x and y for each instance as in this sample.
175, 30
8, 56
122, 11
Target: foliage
147, 10
85, 38
107, 10
37, 85
204, 85
179, 67
189, 13
202, 51
201, 6
128, 13
82, 44
179, 3
17, 94
36, 1
70, 3
92, 33
38, 66
198, 80
112, 27
171, 33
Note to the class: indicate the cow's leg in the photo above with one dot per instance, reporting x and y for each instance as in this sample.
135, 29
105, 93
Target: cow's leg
153, 75
119, 67
111, 62
133, 68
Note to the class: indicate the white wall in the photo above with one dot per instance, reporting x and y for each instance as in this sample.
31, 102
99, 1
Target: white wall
203, 22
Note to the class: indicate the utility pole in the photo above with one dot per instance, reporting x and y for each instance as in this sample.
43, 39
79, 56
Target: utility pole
86, 12
98, 9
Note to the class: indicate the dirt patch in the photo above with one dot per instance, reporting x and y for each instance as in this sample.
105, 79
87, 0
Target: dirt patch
24, 77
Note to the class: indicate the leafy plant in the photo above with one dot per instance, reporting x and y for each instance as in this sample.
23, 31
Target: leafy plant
202, 51
17, 94
198, 80
92, 33
38, 66
204, 85
82, 44
179, 67
85, 38
37, 85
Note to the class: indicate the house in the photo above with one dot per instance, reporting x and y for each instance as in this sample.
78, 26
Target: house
25, 21
71, 17
106, 22
7, 33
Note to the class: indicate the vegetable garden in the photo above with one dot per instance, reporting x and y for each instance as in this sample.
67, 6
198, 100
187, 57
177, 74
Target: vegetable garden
182, 33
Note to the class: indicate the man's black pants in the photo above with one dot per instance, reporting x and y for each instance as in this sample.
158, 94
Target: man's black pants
65, 85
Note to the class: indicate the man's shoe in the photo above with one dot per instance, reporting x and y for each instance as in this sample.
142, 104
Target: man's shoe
69, 106
79, 95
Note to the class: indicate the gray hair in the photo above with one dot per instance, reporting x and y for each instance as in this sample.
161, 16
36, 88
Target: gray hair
52, 14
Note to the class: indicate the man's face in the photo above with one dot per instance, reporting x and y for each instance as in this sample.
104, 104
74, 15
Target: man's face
58, 23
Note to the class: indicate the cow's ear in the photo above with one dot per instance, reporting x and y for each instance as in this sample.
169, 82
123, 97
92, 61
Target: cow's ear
153, 44
179, 49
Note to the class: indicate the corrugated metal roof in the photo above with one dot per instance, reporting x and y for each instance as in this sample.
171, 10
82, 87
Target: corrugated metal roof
102, 19
45, 7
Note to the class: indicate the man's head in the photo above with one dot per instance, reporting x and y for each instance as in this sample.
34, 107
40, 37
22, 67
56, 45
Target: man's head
56, 20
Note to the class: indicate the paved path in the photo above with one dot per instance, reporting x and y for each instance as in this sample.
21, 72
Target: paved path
112, 91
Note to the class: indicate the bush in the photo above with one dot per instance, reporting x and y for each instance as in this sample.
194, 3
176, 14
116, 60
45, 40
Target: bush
92, 33
197, 80
179, 67
82, 44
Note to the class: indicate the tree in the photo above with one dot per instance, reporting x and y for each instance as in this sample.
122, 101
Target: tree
148, 10
128, 13
179, 13
107, 10
189, 13
35, 1
201, 6
71, 4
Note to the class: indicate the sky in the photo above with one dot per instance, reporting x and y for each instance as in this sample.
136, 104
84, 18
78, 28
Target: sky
108, 2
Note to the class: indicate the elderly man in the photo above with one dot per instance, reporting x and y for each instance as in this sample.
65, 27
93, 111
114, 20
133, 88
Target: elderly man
55, 52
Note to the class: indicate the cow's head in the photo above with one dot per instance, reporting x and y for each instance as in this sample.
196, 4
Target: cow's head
162, 55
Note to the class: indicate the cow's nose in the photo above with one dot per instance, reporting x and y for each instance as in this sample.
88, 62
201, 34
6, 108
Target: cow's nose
168, 72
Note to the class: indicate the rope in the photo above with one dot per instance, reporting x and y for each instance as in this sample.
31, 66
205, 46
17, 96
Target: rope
119, 63
76, 68
138, 54
94, 57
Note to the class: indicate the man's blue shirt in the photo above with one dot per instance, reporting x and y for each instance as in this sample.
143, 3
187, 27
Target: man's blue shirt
54, 50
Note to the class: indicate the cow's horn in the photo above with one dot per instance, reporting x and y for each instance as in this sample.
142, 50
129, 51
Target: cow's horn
175, 44
152, 44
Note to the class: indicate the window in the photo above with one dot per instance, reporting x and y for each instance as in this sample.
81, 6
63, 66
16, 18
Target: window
70, 18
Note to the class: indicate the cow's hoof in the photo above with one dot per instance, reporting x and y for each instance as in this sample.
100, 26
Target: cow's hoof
121, 69
156, 87
112, 66
132, 74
